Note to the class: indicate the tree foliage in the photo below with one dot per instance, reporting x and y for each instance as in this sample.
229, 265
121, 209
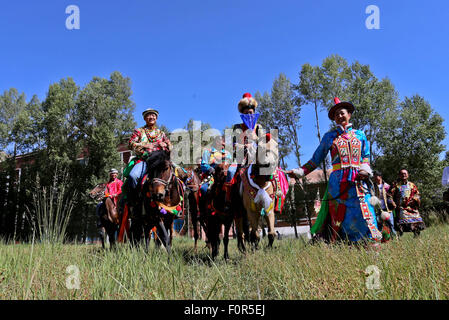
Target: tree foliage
71, 123
281, 109
414, 142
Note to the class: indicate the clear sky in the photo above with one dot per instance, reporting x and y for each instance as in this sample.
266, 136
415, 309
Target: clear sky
195, 59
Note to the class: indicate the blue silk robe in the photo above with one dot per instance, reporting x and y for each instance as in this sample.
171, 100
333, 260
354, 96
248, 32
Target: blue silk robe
346, 213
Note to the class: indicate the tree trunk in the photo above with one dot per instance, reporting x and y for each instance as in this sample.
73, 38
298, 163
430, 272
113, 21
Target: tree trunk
319, 139
295, 139
16, 203
370, 147
293, 211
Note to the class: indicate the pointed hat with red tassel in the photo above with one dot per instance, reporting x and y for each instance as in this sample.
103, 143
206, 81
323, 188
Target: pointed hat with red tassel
338, 104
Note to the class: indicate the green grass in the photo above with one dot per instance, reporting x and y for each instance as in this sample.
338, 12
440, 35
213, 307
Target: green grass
410, 269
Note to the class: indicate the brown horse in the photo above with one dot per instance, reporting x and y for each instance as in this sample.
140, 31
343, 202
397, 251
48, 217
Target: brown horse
162, 200
109, 214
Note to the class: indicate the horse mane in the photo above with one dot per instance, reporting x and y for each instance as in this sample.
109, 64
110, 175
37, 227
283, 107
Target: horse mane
157, 159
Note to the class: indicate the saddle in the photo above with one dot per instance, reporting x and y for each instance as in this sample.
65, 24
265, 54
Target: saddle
278, 181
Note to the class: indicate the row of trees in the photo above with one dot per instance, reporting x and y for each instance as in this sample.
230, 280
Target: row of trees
404, 133
70, 122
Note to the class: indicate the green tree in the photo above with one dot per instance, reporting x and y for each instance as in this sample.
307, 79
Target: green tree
414, 142
58, 130
310, 87
281, 109
334, 78
13, 120
376, 103
103, 119
16, 133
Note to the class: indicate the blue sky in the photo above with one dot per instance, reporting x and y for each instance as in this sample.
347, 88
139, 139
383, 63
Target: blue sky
195, 59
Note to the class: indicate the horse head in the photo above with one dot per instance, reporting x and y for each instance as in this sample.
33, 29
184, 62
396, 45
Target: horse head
221, 172
193, 180
98, 192
267, 160
160, 174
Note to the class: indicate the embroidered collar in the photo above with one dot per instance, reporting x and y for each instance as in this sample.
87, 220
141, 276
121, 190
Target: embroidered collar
346, 129
147, 127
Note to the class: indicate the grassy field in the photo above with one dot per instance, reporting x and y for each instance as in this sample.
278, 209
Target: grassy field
409, 269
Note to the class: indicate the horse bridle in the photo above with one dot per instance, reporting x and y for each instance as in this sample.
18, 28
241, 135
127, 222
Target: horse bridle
166, 183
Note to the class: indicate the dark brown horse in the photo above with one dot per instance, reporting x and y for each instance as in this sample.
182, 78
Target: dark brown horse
192, 197
216, 215
162, 200
109, 214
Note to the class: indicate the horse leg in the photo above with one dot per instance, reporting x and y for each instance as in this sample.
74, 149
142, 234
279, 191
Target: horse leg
163, 235
240, 234
253, 220
269, 218
196, 231
101, 233
135, 231
147, 237
254, 238
111, 235
213, 232
203, 225
194, 218
171, 225
226, 239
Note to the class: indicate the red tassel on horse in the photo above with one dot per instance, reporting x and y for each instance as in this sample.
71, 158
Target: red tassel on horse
124, 224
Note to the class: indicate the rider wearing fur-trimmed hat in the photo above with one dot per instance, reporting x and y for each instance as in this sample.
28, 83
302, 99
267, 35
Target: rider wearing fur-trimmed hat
250, 130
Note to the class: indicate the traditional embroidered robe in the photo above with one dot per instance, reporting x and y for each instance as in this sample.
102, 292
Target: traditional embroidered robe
345, 211
144, 140
407, 199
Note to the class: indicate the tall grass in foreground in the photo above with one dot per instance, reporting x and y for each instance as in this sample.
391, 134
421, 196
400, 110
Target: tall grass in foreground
409, 269
52, 207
